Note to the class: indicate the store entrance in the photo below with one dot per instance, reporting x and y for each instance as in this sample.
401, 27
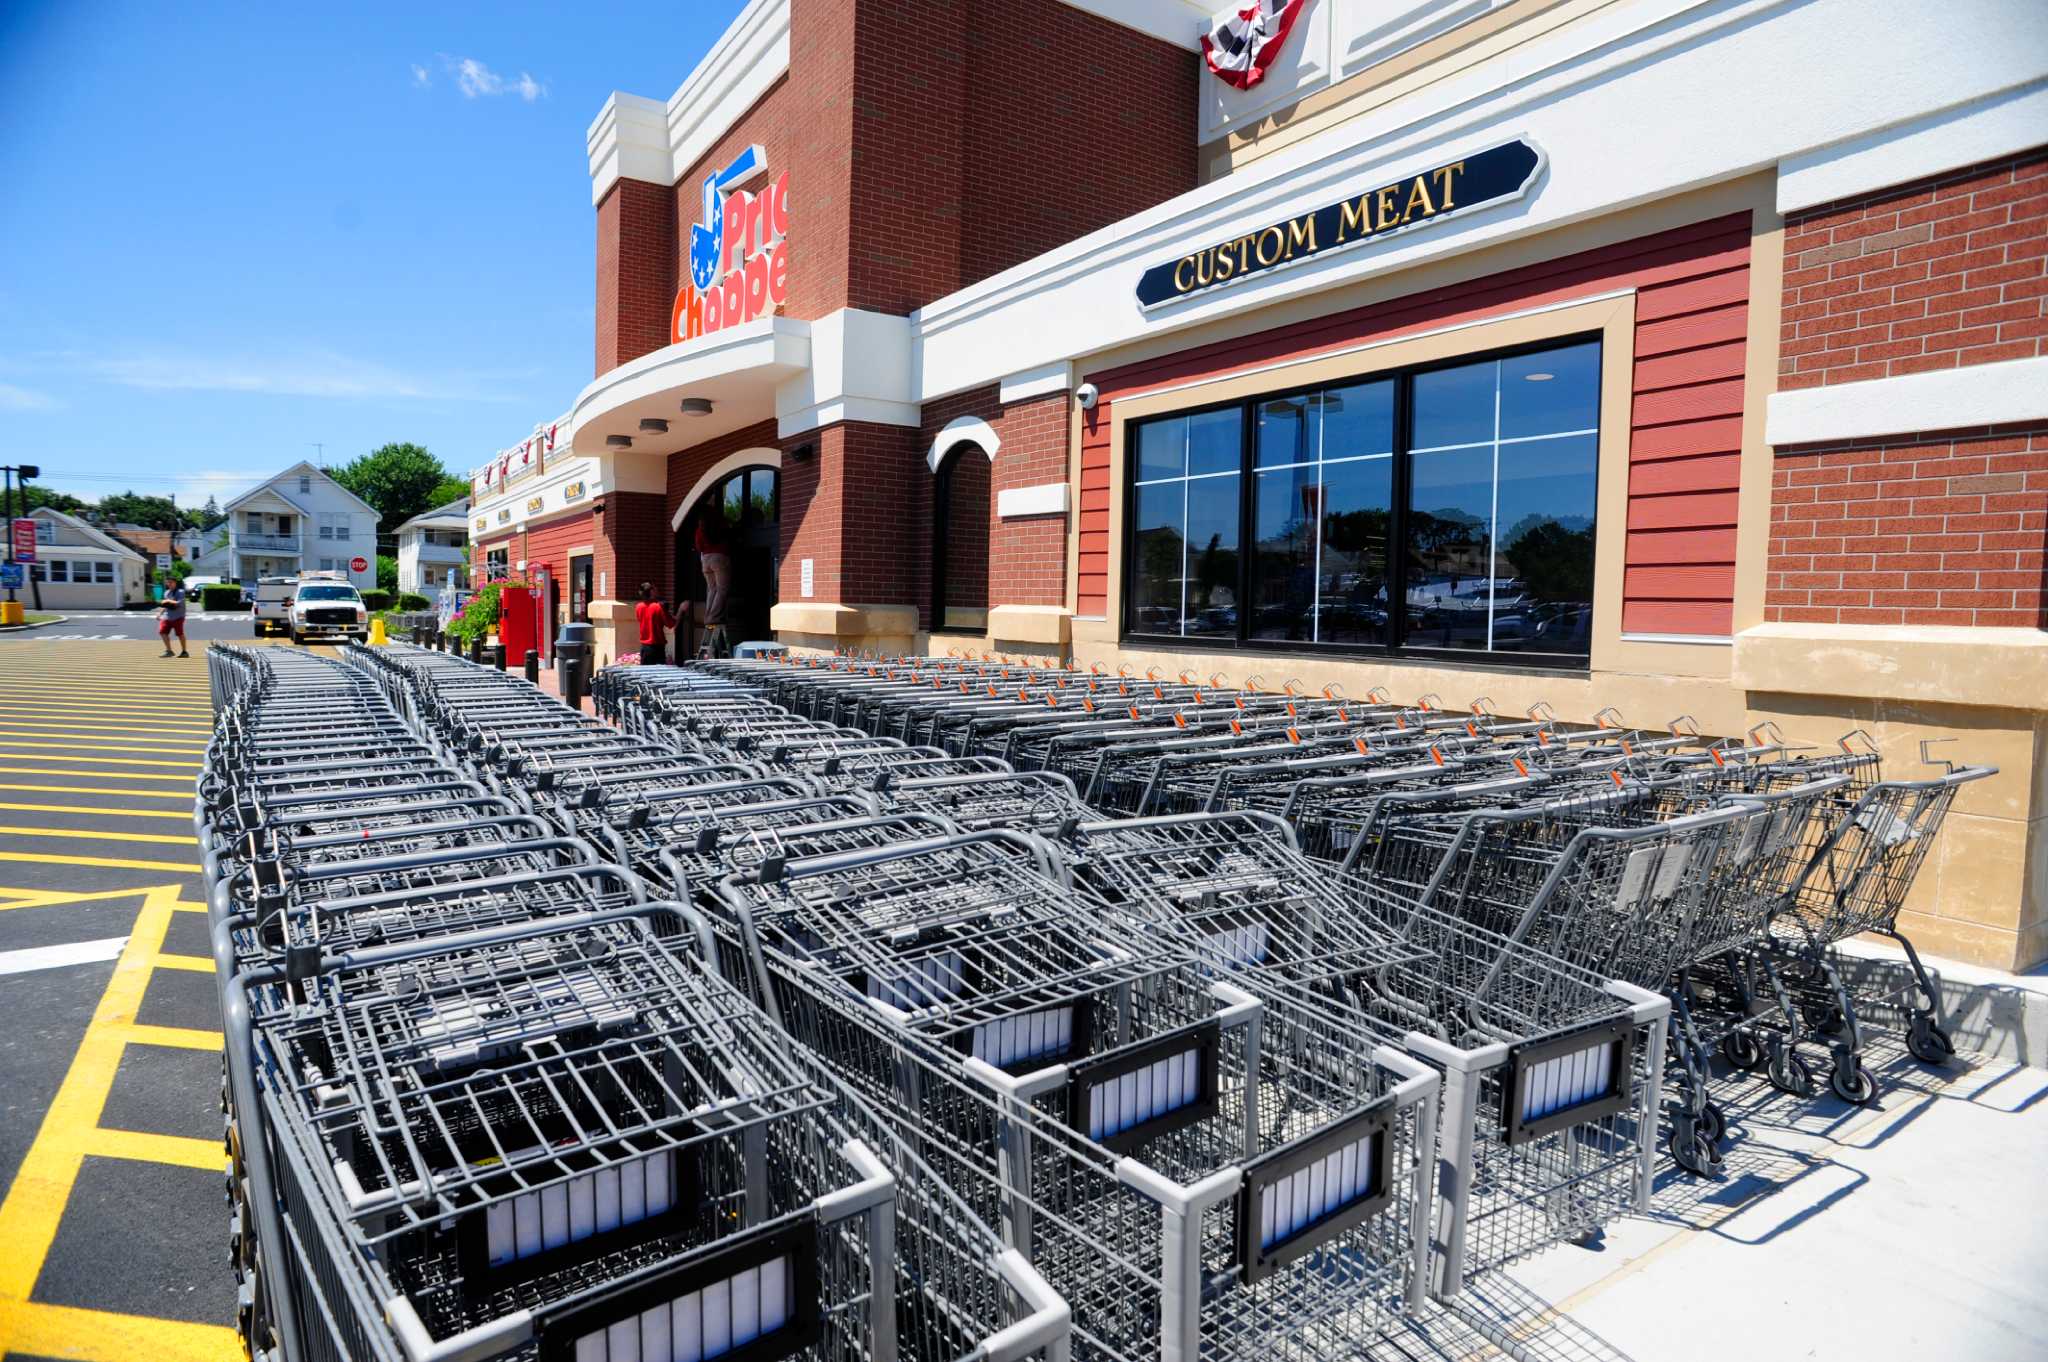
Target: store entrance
747, 506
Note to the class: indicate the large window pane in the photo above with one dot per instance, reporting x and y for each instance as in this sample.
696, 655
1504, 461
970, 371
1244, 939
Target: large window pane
1358, 419
1215, 441
1288, 430
1450, 549
1550, 392
1212, 556
1356, 501
1156, 557
1547, 494
1284, 554
1454, 406
1163, 448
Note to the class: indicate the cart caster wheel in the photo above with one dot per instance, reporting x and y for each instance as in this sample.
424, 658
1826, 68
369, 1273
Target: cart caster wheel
1697, 1155
1791, 1073
1830, 1021
1742, 1051
1713, 1123
1853, 1083
1929, 1043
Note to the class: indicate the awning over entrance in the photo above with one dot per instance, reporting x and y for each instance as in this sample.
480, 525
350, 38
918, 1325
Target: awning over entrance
736, 370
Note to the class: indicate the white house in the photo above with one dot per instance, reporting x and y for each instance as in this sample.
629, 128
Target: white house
433, 548
79, 568
299, 521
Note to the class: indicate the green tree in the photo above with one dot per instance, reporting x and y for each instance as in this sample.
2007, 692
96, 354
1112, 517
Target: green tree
134, 508
399, 480
451, 489
38, 496
207, 516
387, 573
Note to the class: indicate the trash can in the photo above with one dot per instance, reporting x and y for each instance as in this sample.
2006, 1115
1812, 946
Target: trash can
574, 647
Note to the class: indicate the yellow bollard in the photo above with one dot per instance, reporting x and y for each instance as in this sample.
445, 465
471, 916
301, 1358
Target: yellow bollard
377, 638
11, 612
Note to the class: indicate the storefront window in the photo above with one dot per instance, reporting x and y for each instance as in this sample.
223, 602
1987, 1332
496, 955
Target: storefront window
497, 563
1472, 534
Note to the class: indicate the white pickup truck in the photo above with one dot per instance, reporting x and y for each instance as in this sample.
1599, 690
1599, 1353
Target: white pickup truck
327, 609
270, 608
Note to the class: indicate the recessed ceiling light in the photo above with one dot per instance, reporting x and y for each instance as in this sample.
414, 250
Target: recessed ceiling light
653, 425
1539, 377
696, 406
619, 441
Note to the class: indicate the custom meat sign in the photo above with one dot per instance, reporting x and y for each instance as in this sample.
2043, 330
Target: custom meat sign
739, 253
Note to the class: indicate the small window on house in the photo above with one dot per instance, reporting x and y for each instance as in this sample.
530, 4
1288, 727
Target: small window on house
46, 531
103, 571
305, 482
60, 571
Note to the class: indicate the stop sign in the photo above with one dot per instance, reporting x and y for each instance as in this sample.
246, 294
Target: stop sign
358, 564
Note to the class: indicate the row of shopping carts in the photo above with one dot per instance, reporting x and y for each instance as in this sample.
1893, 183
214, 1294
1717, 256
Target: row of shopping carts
484, 1098
1723, 873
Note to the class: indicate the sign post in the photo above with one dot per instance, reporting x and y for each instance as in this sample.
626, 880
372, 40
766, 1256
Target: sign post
358, 564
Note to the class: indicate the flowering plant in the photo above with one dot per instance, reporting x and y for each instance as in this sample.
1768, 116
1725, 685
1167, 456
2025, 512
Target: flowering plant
479, 614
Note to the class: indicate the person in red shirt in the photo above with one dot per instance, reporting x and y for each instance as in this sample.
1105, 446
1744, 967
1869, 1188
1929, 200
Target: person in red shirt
655, 622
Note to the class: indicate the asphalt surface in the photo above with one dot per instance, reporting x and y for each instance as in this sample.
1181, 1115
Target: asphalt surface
113, 1227
105, 626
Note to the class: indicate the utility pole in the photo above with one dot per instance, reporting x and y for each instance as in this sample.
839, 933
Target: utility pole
8, 474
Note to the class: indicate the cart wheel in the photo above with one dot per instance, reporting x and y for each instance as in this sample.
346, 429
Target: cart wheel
1741, 1050
1830, 1021
1853, 1083
1713, 1123
1791, 1073
1696, 1155
1928, 1042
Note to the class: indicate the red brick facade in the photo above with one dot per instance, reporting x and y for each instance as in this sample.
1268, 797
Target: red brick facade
1947, 528
1027, 555
636, 281
1946, 271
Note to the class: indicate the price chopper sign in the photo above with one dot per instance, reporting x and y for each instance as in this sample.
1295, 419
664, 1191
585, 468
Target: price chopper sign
1480, 180
739, 254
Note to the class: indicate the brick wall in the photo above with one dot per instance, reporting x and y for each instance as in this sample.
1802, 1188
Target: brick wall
1942, 272
1945, 528
636, 279
1027, 556
633, 546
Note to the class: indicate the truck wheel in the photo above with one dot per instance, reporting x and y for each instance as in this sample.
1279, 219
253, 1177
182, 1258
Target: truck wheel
259, 629
298, 638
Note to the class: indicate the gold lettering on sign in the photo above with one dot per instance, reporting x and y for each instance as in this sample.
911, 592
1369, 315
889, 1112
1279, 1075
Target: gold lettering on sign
1418, 192
1180, 285
1354, 215
1301, 235
1443, 184
1387, 211
1278, 239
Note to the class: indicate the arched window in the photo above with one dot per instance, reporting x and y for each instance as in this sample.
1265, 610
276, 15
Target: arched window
748, 505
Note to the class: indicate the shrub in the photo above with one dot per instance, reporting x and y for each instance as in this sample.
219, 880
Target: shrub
479, 615
412, 600
374, 599
223, 597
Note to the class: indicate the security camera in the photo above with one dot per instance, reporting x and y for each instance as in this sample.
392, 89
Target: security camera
1086, 395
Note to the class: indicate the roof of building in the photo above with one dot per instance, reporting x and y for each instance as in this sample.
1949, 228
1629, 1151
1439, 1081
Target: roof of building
455, 514
93, 537
299, 469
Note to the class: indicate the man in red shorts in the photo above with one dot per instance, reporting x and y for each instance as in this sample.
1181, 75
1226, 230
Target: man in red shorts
171, 616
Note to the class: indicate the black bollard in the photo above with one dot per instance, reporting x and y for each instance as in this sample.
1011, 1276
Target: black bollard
533, 666
497, 651
476, 648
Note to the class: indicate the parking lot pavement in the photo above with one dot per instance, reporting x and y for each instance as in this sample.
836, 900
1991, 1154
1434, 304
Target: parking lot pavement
113, 1222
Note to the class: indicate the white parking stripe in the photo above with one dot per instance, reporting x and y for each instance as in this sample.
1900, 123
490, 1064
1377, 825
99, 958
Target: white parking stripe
56, 957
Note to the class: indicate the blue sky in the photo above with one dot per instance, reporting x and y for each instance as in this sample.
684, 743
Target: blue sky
232, 232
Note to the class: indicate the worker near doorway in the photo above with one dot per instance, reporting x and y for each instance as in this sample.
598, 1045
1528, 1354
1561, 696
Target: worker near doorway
655, 622
714, 555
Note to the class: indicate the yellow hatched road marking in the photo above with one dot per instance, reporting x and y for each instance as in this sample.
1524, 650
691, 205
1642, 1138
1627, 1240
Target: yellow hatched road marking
71, 744
100, 790
104, 1336
172, 839
94, 687
111, 813
108, 862
12, 723
197, 964
42, 754
69, 1132
100, 775
51, 898
147, 1147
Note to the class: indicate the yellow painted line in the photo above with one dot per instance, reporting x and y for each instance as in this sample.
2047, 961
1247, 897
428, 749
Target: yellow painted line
169, 839
103, 1336
172, 1037
43, 754
107, 862
185, 795
51, 898
111, 813
70, 743
197, 964
146, 1147
20, 725
49, 1170
97, 775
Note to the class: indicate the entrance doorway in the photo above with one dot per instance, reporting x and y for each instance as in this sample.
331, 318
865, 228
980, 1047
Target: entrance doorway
579, 589
748, 504
960, 528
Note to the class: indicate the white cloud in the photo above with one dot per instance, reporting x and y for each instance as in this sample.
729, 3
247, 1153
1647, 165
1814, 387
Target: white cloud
475, 80
315, 374
420, 77
24, 399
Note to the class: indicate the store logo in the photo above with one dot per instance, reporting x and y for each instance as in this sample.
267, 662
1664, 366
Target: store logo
572, 491
532, 505
505, 516
1495, 175
739, 259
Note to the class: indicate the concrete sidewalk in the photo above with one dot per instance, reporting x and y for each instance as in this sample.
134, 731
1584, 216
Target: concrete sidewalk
1911, 1231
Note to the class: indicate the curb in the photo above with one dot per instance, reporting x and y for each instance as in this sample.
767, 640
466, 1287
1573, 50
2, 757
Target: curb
39, 624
